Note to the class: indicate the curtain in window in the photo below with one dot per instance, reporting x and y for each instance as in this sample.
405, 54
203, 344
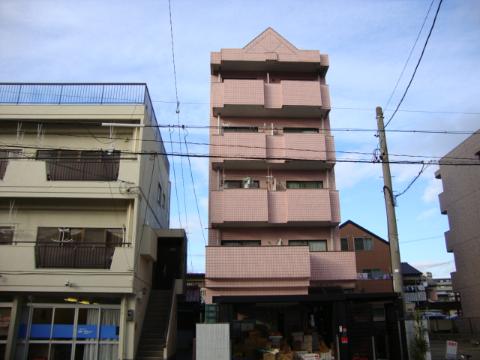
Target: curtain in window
367, 244
90, 349
318, 245
109, 331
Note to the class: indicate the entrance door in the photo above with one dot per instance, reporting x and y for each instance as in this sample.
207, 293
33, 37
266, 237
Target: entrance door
169, 264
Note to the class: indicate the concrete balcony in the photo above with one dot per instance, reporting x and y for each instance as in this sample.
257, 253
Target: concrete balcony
26, 267
36, 183
333, 266
449, 240
296, 98
443, 203
239, 206
293, 206
275, 270
309, 151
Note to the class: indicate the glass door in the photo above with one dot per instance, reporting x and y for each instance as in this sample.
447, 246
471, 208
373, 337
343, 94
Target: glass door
60, 332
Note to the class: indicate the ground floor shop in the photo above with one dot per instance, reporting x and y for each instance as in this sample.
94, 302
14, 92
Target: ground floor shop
44, 328
311, 327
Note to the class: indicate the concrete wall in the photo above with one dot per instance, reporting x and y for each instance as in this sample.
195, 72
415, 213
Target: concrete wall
461, 202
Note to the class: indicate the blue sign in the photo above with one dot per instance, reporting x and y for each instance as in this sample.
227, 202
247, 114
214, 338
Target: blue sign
86, 331
109, 332
62, 331
40, 331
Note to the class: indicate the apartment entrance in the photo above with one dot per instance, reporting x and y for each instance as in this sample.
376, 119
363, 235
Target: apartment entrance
170, 263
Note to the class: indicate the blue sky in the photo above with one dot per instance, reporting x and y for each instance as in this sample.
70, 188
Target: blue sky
367, 41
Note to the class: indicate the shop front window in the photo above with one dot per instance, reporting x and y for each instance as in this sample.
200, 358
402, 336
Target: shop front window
68, 332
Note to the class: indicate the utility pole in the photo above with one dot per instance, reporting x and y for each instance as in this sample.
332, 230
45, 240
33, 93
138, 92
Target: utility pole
392, 229
390, 207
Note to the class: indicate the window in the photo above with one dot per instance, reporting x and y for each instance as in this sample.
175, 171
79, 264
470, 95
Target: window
74, 165
80, 331
5, 155
344, 244
363, 244
246, 183
240, 129
313, 245
6, 235
301, 130
241, 242
373, 274
304, 184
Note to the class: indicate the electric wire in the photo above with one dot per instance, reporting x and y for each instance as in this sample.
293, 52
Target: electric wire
416, 66
410, 54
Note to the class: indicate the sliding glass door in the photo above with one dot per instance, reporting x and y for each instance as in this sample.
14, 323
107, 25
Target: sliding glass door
63, 331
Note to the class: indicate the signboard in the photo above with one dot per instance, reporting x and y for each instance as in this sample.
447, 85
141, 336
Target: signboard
451, 350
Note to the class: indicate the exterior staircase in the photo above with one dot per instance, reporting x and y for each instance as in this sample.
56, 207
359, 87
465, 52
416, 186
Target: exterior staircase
152, 340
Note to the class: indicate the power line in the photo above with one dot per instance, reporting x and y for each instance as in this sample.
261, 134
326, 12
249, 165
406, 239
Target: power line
241, 146
424, 166
410, 54
416, 66
231, 157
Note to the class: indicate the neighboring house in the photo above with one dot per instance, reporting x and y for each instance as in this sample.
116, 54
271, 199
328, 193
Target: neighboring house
372, 255
274, 256
460, 201
414, 285
84, 217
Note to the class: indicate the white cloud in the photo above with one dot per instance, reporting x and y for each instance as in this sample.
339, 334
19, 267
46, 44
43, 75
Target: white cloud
433, 188
348, 175
428, 214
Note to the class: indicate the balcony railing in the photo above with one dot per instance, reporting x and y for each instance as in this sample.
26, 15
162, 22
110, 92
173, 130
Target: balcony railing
281, 147
255, 96
84, 256
275, 207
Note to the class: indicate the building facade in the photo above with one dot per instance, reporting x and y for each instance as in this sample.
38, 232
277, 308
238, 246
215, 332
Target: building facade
460, 201
274, 255
82, 210
372, 257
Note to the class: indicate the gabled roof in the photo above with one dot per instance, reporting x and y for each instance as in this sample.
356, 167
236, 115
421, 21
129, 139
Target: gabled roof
408, 269
363, 229
270, 41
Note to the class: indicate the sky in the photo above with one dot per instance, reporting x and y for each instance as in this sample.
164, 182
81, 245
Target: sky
368, 43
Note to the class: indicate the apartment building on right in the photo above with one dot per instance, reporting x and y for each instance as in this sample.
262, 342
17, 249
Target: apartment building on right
460, 201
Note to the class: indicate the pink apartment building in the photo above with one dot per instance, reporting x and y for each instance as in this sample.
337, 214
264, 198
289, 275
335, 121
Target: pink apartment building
273, 204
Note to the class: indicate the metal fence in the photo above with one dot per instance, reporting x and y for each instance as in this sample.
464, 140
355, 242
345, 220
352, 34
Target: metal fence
71, 256
73, 93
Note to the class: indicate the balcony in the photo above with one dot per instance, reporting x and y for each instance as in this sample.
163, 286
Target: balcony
307, 150
449, 240
275, 270
443, 203
296, 98
260, 206
85, 256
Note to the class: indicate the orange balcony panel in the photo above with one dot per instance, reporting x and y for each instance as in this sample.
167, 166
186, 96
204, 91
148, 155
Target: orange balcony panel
333, 266
236, 145
257, 263
301, 93
239, 205
309, 205
243, 92
311, 146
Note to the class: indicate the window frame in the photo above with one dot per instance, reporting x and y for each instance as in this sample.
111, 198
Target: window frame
304, 185
364, 241
342, 243
309, 243
241, 243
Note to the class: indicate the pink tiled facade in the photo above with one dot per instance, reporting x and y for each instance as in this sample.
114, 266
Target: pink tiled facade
272, 180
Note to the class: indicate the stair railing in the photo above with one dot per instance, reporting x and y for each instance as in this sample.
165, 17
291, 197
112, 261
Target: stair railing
171, 330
